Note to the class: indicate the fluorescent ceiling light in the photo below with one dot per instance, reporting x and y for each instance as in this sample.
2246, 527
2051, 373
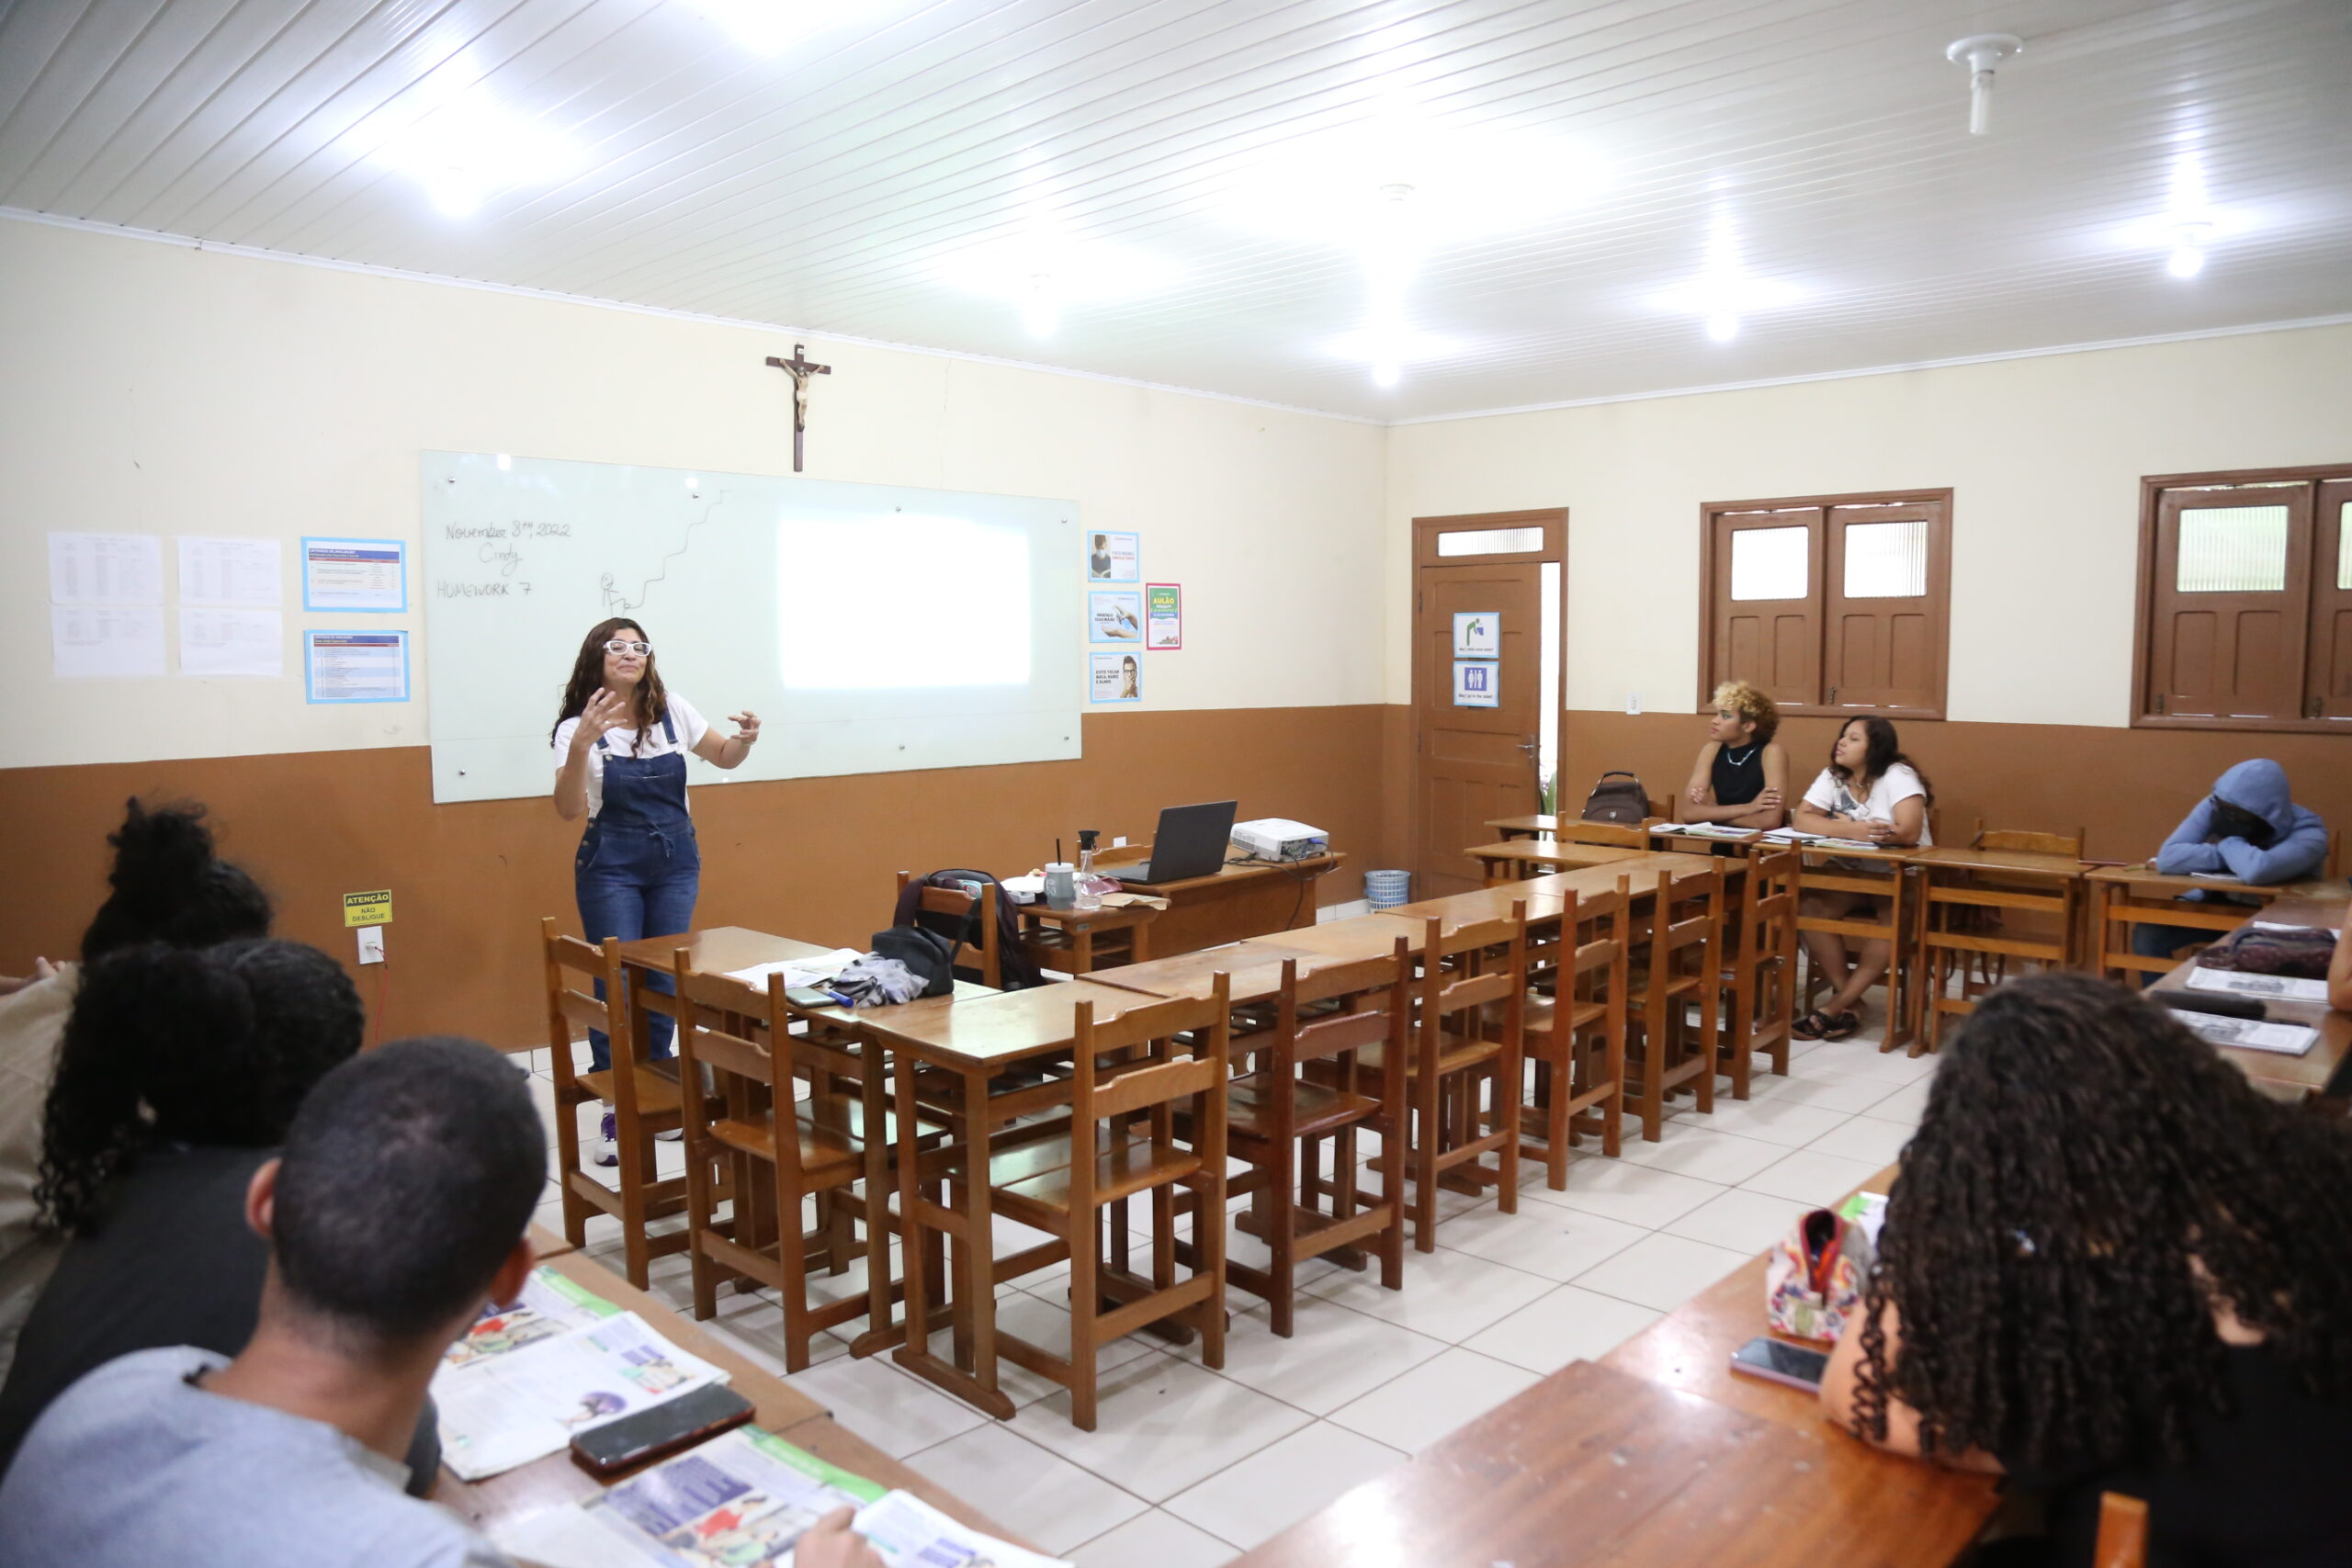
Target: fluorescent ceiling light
1342, 187
1727, 291
769, 26
1388, 349
469, 148
1047, 273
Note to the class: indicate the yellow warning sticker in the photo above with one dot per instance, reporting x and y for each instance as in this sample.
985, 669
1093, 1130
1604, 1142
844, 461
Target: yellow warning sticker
367, 909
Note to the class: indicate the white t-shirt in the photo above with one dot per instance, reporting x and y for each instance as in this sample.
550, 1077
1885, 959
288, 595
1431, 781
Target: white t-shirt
1829, 794
691, 727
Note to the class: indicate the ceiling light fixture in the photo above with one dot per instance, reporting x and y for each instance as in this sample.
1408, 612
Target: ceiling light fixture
1981, 52
1387, 346
469, 150
2188, 258
1727, 291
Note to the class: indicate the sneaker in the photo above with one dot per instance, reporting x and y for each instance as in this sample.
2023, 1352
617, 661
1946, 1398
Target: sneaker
675, 1135
608, 1151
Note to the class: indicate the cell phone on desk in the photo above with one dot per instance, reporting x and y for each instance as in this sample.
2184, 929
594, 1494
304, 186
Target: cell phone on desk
681, 1423
814, 997
1777, 1361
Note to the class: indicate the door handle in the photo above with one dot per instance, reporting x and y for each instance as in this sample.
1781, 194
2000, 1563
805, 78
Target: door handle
1530, 747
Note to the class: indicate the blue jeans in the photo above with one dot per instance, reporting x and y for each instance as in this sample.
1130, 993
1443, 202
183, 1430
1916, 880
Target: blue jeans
631, 899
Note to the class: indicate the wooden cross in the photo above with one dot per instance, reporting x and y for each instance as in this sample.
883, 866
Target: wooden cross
799, 369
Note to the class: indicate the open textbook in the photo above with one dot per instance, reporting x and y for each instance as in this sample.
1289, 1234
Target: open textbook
742, 1500
524, 1381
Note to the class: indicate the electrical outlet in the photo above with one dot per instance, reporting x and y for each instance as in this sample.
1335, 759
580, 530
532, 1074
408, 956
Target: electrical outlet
1118, 843
371, 944
1633, 702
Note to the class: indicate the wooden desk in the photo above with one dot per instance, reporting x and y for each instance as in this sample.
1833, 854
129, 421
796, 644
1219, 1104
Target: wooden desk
1516, 859
1679, 836
547, 1243
782, 1409
718, 950
973, 1042
1593, 1466
1540, 824
555, 1479
1065, 939
1254, 971
1231, 903
2133, 896
2307, 1073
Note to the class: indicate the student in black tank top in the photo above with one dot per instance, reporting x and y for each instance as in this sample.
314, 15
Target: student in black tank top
2110, 1264
1741, 779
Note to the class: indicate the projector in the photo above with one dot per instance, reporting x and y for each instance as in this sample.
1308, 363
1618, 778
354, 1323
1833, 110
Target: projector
1279, 838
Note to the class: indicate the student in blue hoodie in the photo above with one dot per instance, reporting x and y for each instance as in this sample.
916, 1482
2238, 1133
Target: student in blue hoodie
2249, 829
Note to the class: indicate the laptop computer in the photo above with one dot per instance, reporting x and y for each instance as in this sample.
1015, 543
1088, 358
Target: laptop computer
1191, 843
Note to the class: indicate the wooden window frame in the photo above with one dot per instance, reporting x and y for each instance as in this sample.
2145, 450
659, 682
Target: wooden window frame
2151, 495
1938, 594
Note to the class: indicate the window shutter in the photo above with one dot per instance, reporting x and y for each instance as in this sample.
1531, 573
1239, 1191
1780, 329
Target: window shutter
1766, 602
2229, 611
1884, 594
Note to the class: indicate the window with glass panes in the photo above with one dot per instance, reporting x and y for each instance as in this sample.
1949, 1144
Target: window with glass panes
2246, 600
1830, 603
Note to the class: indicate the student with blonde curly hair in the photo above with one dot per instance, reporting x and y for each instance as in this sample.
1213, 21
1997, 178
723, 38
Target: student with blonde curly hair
1741, 779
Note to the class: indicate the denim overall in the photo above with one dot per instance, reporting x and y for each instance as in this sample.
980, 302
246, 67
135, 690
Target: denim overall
639, 868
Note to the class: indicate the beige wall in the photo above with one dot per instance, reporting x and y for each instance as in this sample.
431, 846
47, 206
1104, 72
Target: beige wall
150, 387
2044, 455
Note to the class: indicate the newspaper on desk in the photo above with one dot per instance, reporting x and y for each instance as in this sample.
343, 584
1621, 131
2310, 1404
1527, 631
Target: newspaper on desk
2245, 983
549, 1305
526, 1400
744, 1500
798, 971
2251, 1034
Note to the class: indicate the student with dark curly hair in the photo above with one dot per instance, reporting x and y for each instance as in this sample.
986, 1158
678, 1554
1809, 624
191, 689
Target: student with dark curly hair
167, 887
180, 1073
2109, 1264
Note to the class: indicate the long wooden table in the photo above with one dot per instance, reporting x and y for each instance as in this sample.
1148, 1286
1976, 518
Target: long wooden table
779, 1407
2130, 896
2307, 1074
1658, 1456
1230, 903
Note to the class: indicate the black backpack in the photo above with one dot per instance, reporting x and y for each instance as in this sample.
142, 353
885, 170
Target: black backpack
1020, 972
930, 956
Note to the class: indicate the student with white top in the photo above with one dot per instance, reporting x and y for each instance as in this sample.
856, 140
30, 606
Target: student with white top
1870, 790
620, 760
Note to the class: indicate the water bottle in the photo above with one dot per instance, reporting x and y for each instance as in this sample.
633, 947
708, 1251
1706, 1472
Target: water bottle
1087, 897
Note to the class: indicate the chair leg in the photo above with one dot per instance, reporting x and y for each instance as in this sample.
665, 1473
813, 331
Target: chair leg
1509, 1094
636, 1173
1424, 1155
1560, 1078
701, 1216
1280, 1230
791, 1251
1211, 1259
1085, 1302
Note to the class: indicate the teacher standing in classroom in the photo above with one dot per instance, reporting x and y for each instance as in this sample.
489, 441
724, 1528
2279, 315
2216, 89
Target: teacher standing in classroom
620, 760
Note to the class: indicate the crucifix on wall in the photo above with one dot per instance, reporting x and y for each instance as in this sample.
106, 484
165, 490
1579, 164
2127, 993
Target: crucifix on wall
800, 368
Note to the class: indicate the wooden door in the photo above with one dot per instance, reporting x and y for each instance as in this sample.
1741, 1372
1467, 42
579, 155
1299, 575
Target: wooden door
2328, 685
2232, 602
1473, 763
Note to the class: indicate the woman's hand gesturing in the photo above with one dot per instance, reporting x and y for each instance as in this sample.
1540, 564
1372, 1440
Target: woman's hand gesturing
606, 711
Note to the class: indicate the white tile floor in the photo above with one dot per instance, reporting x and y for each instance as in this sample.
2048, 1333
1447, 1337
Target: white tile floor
1189, 1467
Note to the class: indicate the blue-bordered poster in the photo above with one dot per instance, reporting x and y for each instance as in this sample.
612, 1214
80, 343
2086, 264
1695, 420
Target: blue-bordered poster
1477, 684
366, 575
1114, 678
1115, 617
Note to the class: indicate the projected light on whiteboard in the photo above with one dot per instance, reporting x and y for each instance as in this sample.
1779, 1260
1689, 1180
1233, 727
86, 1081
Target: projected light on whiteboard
904, 602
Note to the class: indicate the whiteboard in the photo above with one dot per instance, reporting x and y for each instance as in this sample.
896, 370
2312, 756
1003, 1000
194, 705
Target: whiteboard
836, 612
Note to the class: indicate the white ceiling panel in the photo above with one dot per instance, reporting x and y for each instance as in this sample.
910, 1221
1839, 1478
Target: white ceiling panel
1390, 209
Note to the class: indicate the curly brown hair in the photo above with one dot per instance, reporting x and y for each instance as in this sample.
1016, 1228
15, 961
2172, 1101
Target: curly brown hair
1752, 705
2088, 1180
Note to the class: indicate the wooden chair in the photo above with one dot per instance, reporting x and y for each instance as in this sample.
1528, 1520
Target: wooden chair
644, 1099
1615, 835
754, 1083
1893, 883
1575, 1037
1063, 1185
1276, 1121
969, 909
1762, 969
1677, 997
1459, 1053
1964, 935
2122, 1532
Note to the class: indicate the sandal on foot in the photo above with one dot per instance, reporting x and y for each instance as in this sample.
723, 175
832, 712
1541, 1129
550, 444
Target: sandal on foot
1815, 1025
1843, 1027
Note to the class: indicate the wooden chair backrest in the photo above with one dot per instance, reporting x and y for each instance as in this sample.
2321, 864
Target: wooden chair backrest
1445, 991
2122, 1532
703, 1000
570, 1003
1379, 991
2025, 841
1688, 913
1573, 831
1155, 1082
1605, 912
955, 901
1772, 892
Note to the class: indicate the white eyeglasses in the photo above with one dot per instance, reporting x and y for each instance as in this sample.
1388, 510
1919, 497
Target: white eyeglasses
621, 645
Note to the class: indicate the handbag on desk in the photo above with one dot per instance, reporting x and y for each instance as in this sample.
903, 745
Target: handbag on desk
1814, 1282
1618, 797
